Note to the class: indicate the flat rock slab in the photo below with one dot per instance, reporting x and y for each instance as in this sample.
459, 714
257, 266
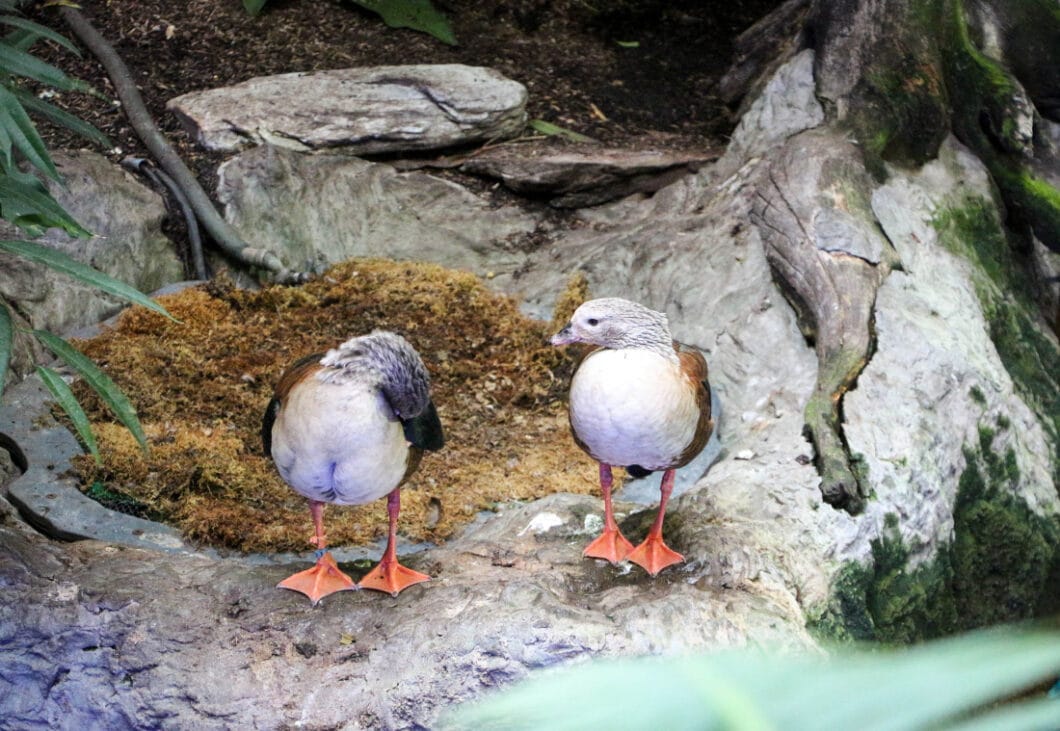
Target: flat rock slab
584, 178
366, 110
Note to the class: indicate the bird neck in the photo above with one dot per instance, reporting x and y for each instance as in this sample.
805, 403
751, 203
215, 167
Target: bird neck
659, 342
391, 367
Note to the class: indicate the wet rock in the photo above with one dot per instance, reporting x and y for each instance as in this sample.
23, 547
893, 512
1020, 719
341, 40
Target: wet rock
363, 110
935, 367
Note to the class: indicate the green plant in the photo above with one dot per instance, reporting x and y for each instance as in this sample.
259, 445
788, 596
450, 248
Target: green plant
26, 202
950, 684
554, 130
418, 15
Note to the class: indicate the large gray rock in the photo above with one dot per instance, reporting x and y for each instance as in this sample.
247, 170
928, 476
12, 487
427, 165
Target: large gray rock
935, 370
126, 626
126, 218
363, 110
315, 210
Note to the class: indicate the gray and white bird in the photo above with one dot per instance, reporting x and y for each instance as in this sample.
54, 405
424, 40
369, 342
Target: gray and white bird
346, 428
638, 399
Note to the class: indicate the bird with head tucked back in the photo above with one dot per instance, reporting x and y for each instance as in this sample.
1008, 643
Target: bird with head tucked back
638, 399
346, 428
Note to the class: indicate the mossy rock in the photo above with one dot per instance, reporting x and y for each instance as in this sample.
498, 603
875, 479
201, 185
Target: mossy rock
1001, 566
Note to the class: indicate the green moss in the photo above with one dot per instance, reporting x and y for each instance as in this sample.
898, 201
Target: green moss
1031, 357
986, 104
1002, 552
977, 395
119, 501
1000, 567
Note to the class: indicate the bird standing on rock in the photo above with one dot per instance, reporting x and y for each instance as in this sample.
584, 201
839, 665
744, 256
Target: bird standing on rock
638, 399
347, 428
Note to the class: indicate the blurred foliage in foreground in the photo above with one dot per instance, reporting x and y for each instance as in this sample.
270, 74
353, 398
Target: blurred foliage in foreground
967, 683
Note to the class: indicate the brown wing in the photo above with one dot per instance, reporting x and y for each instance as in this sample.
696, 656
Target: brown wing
298, 371
294, 374
694, 367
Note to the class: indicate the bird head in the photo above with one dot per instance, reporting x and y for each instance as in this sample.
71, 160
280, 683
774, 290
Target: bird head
388, 360
613, 322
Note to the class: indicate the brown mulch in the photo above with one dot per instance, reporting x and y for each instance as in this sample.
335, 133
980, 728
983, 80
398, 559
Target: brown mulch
201, 386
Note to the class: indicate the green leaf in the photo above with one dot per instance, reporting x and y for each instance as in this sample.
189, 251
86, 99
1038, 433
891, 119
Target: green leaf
98, 380
63, 263
25, 202
21, 63
547, 128
62, 393
418, 15
253, 7
40, 31
19, 132
935, 685
20, 39
7, 342
61, 117
629, 44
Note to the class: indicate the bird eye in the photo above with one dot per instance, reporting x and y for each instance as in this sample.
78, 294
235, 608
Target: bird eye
593, 321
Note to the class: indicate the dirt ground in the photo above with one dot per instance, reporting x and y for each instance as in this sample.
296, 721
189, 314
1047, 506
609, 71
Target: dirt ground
629, 74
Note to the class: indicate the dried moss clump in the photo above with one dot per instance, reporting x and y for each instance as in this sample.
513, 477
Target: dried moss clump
201, 385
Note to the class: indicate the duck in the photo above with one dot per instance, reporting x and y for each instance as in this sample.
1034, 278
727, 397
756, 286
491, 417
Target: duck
347, 427
640, 400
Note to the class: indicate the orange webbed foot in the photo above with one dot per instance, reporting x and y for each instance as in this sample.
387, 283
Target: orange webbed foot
653, 555
316, 583
610, 545
391, 577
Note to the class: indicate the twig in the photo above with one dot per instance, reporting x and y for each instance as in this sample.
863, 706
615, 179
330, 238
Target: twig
222, 233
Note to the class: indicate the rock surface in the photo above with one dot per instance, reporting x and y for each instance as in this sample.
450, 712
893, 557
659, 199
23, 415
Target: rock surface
364, 110
580, 179
97, 635
316, 210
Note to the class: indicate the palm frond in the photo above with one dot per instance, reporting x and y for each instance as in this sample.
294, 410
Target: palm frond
100, 382
63, 263
66, 399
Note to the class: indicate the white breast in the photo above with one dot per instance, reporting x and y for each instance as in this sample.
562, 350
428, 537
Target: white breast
338, 443
633, 407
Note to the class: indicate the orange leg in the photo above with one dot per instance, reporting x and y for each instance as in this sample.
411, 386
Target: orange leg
390, 576
325, 577
611, 544
653, 554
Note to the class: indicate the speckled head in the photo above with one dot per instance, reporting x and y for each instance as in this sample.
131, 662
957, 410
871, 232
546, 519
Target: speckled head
613, 322
386, 359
